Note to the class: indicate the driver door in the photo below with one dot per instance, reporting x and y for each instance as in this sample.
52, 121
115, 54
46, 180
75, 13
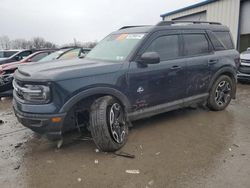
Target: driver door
154, 84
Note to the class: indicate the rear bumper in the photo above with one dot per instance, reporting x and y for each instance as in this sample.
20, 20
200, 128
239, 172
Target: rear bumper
41, 123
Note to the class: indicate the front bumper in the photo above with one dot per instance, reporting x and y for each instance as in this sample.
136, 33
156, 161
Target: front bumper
41, 123
243, 77
6, 82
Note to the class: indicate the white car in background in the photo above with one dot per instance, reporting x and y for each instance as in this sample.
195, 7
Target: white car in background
244, 68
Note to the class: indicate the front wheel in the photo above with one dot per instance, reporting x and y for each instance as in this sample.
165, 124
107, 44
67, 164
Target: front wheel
221, 93
108, 124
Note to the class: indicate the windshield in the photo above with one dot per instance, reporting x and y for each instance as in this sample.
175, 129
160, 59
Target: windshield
52, 56
115, 47
6, 54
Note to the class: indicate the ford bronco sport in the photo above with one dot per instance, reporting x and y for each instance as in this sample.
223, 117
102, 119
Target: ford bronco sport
133, 73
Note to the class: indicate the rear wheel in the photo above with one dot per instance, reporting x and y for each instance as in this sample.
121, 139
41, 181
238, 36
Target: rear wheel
221, 93
108, 124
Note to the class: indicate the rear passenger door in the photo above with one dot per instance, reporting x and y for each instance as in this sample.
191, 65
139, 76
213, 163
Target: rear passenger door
155, 84
199, 55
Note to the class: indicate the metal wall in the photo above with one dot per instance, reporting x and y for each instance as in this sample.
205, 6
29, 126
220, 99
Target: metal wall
201, 16
245, 17
224, 11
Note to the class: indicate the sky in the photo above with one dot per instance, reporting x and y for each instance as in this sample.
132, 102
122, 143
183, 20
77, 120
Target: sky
60, 21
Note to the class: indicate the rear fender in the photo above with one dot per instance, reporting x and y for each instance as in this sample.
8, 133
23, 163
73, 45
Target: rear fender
225, 71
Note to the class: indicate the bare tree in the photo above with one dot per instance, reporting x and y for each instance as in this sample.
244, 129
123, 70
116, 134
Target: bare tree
5, 42
38, 42
81, 44
21, 44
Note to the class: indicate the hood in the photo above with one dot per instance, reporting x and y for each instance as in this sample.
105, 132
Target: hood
3, 60
245, 55
64, 69
9, 66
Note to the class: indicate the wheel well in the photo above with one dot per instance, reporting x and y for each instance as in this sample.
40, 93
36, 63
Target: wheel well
78, 115
229, 74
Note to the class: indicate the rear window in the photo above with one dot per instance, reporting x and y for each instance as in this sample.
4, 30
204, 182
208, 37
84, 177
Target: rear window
6, 54
195, 44
225, 38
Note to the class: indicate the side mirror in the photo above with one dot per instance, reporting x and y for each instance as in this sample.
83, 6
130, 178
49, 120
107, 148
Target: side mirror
82, 55
150, 58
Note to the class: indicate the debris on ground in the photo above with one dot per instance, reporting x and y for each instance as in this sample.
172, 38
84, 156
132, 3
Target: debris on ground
17, 167
230, 149
1, 121
243, 154
84, 138
151, 182
141, 147
133, 171
96, 161
59, 144
236, 145
158, 153
123, 154
18, 145
79, 179
49, 161
97, 150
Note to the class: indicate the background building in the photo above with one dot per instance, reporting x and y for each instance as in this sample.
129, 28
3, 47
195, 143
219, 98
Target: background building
233, 13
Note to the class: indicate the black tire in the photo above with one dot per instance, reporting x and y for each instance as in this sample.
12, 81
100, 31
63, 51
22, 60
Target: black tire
220, 95
108, 138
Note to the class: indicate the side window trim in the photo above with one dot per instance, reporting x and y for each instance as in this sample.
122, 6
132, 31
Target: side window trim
163, 35
147, 41
211, 35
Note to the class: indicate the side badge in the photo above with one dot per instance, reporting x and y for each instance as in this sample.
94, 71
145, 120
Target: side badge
140, 90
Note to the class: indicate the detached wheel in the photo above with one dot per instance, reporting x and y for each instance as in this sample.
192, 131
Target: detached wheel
221, 93
108, 124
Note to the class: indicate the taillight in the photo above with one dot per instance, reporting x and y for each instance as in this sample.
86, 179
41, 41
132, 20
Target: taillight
237, 62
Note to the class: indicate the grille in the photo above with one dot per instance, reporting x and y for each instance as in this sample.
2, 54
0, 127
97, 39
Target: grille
244, 69
17, 88
245, 61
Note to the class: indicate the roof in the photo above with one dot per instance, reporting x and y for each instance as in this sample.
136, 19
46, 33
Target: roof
189, 7
134, 29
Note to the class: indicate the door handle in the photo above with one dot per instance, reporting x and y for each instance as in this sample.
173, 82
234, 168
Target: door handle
175, 67
212, 61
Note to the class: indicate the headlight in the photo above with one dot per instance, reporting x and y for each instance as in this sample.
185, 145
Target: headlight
36, 93
33, 93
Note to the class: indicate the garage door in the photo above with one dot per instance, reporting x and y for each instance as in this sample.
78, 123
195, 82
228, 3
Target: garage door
201, 16
245, 15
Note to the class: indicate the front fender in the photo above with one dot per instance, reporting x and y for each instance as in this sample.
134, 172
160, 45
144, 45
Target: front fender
94, 91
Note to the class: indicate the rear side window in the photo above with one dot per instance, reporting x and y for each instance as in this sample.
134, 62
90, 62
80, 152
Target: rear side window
195, 44
166, 46
225, 38
216, 43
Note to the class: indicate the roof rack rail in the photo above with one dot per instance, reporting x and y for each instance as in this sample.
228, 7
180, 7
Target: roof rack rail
164, 23
131, 26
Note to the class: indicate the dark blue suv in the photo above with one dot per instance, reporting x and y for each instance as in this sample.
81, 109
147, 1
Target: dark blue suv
133, 73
